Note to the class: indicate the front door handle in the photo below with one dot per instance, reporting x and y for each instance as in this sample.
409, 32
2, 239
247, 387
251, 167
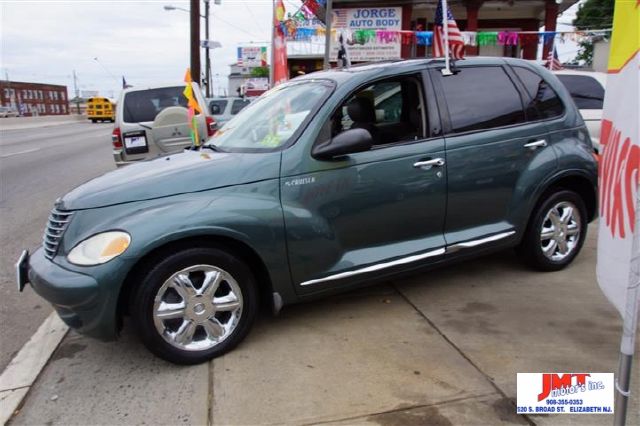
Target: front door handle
427, 164
536, 144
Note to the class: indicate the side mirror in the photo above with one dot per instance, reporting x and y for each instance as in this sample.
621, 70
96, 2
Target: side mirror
348, 142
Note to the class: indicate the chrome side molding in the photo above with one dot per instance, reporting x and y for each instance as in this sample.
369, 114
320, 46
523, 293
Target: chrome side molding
409, 259
377, 267
474, 243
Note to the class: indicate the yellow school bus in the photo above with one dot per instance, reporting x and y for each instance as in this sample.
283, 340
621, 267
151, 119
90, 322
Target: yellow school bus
101, 109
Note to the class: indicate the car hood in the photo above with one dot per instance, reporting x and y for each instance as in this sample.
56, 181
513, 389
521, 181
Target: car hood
188, 171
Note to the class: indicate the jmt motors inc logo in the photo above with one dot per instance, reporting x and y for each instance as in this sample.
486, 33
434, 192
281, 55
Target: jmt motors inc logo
572, 393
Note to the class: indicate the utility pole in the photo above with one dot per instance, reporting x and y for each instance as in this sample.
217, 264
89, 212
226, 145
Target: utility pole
195, 40
327, 41
75, 89
207, 64
273, 38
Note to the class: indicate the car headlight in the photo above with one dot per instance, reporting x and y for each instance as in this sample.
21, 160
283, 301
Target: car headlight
99, 248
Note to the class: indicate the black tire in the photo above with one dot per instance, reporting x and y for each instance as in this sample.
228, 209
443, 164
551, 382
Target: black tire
143, 299
530, 249
93, 120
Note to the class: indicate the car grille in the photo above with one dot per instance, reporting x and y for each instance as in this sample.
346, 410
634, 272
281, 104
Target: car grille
58, 221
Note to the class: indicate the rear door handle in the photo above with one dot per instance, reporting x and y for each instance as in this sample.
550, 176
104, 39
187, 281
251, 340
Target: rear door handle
536, 144
427, 164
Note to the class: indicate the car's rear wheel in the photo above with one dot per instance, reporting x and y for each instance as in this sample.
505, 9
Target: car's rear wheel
195, 305
556, 231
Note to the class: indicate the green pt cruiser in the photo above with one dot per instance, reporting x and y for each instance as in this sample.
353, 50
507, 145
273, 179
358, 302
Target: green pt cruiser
330, 181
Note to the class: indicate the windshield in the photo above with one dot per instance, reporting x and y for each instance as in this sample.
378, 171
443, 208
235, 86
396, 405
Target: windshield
144, 105
270, 121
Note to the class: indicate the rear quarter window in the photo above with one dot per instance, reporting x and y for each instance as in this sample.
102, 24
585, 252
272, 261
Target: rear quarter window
587, 92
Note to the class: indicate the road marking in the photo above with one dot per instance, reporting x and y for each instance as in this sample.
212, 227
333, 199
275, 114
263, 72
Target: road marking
25, 367
20, 152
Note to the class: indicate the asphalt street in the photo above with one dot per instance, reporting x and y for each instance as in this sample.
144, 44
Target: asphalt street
37, 165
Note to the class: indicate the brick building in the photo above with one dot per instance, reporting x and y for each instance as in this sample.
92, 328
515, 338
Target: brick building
31, 99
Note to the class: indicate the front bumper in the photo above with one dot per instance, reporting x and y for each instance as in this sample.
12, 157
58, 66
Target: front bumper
76, 297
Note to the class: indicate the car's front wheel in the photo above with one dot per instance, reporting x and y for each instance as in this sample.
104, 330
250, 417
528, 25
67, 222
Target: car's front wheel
556, 231
195, 305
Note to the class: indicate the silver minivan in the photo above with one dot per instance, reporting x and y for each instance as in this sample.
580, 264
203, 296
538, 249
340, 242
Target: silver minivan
224, 109
153, 121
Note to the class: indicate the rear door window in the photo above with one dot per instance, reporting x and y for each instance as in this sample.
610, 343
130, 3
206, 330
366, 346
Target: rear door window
480, 98
587, 92
144, 105
238, 105
543, 102
217, 107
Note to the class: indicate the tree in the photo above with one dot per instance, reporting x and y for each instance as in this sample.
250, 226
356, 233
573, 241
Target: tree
260, 72
592, 15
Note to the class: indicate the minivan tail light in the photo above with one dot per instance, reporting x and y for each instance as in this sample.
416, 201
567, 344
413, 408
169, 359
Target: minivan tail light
116, 139
211, 126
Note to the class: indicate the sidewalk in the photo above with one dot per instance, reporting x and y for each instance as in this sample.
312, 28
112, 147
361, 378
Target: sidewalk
438, 349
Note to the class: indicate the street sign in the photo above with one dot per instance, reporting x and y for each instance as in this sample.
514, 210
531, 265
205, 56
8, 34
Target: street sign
210, 44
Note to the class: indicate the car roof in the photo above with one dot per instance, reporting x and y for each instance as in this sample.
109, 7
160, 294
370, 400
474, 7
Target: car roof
156, 86
366, 70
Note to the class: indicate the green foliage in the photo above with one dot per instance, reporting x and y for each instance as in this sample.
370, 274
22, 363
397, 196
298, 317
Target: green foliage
592, 15
260, 72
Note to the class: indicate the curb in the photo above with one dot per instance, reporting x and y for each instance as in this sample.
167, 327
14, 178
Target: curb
26, 366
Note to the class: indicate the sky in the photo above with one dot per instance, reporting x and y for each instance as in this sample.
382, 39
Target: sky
45, 41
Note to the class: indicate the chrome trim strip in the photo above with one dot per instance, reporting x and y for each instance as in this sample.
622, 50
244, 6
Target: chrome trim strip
377, 267
474, 243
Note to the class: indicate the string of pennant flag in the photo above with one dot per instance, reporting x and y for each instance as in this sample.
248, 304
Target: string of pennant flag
425, 38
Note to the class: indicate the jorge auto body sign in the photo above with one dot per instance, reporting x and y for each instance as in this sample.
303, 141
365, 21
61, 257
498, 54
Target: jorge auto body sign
346, 21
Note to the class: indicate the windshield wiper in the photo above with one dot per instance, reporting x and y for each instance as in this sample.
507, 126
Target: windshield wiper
212, 147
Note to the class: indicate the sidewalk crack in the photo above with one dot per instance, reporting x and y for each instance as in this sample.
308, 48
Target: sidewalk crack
210, 395
410, 408
461, 352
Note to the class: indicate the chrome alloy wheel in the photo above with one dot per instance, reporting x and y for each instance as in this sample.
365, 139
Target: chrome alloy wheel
560, 233
197, 307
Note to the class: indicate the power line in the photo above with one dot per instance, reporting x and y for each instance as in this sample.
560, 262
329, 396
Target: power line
234, 26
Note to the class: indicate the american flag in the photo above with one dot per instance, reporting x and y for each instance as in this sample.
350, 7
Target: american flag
553, 63
456, 42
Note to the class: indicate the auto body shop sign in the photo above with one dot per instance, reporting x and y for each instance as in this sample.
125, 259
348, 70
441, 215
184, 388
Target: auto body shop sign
349, 21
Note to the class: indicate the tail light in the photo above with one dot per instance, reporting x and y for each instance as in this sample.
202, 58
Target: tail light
116, 139
211, 126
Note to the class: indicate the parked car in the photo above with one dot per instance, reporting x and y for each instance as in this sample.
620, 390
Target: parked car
289, 201
153, 121
224, 109
8, 112
587, 90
